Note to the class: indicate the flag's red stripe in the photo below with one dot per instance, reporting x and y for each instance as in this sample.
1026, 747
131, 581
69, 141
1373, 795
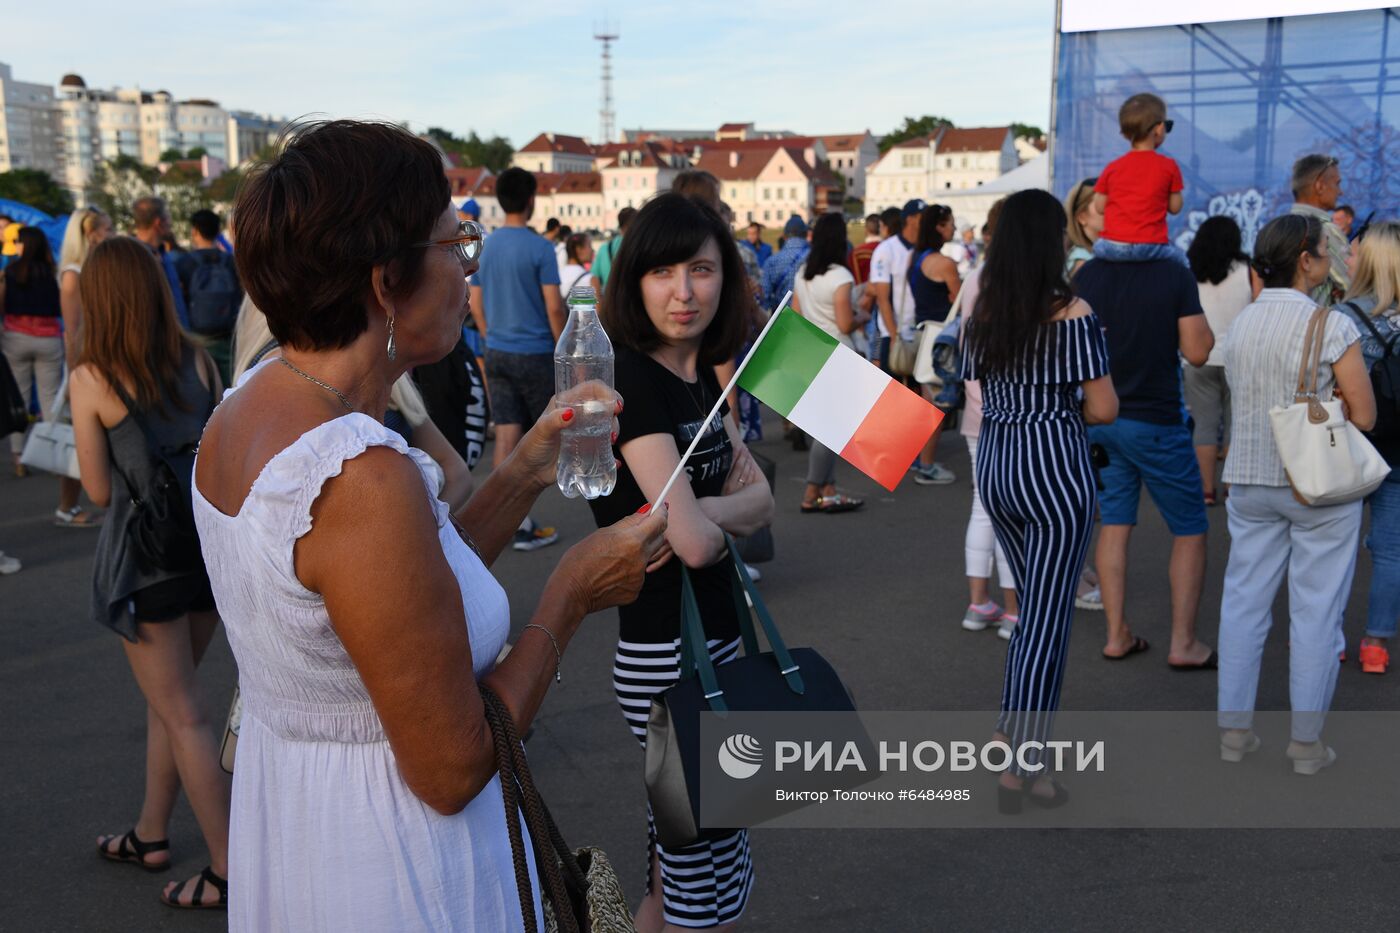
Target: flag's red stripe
890, 437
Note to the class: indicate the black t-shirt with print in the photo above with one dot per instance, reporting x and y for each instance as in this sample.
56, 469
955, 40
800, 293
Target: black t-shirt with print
656, 401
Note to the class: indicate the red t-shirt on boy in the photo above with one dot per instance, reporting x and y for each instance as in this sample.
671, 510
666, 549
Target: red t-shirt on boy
1138, 184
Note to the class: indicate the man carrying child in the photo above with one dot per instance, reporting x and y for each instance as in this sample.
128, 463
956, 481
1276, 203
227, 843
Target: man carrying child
1136, 190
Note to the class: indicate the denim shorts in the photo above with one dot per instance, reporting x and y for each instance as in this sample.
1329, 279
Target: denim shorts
1160, 456
520, 386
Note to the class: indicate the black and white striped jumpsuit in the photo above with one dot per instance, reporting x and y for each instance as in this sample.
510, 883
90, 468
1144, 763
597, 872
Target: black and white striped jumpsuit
1037, 485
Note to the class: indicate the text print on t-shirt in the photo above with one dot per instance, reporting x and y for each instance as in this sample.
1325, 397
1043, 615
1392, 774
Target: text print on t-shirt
713, 455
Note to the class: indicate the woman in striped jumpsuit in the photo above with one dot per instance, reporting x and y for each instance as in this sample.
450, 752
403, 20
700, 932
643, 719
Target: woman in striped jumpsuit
1033, 346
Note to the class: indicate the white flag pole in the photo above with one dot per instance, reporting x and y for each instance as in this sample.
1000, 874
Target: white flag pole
733, 381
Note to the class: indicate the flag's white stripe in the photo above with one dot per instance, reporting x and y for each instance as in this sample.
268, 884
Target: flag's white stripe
839, 398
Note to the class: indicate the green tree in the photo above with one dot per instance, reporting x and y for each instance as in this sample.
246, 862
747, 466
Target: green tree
36, 188
494, 153
115, 184
224, 189
1026, 131
914, 128
171, 155
198, 152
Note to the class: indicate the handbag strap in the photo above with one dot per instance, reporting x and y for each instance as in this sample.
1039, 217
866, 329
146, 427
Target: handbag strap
789, 668
695, 653
1307, 365
520, 796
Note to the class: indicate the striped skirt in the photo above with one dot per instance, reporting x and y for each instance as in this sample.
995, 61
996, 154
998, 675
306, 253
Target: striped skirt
708, 883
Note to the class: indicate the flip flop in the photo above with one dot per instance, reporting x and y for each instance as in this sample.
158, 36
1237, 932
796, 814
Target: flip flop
839, 503
1138, 646
1209, 664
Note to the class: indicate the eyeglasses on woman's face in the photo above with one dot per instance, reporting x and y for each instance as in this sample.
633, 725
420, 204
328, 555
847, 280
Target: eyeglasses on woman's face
466, 244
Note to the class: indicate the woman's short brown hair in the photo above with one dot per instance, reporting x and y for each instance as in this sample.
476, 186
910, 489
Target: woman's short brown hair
672, 228
339, 199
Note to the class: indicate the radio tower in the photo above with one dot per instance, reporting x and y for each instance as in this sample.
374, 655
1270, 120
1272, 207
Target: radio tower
606, 117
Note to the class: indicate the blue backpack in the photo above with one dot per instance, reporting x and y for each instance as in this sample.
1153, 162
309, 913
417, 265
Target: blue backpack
212, 293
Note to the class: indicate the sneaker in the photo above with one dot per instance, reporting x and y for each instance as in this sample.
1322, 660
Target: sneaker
534, 538
1375, 659
935, 474
1091, 600
8, 564
754, 573
975, 620
1007, 625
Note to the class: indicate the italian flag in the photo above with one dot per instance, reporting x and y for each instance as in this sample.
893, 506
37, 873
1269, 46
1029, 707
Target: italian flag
841, 399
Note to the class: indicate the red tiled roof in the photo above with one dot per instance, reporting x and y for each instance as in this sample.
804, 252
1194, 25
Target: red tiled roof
843, 142
487, 187
464, 181
973, 139
744, 166
786, 142
734, 127
576, 183
557, 142
654, 154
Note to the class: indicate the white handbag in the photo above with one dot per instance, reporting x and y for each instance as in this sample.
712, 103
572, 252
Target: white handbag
924, 373
1328, 460
50, 446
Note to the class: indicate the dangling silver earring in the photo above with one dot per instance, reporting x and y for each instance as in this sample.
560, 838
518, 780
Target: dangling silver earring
391, 349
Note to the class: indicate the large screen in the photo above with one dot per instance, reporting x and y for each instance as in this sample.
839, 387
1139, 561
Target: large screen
1098, 15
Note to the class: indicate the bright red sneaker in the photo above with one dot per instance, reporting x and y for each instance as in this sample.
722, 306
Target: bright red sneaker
1374, 659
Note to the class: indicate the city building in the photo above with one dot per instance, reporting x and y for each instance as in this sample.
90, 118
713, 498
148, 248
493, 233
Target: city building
949, 159
555, 153
99, 125
849, 155
251, 133
30, 132
631, 173
574, 198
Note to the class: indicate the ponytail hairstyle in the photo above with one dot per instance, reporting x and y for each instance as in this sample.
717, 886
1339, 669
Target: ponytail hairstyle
1281, 244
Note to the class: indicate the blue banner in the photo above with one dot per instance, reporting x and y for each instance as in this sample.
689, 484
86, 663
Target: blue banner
1248, 99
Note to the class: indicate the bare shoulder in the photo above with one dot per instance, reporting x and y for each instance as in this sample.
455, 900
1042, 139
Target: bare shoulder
1075, 309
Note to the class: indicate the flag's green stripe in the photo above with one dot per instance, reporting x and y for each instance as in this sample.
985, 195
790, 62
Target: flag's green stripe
787, 361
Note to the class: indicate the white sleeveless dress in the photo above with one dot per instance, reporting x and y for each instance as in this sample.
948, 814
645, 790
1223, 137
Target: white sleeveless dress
324, 833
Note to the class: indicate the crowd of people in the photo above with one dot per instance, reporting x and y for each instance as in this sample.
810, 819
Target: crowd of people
281, 426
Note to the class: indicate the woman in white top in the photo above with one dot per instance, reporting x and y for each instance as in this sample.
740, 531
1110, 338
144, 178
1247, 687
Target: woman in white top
1226, 286
361, 611
578, 252
1271, 531
821, 292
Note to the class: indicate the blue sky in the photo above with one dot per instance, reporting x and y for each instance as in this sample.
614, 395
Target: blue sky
524, 66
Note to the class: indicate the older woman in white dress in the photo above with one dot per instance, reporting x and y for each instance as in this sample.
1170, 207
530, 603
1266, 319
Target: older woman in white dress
361, 612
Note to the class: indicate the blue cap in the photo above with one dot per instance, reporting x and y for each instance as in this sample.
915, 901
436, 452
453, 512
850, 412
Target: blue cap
795, 226
912, 207
469, 206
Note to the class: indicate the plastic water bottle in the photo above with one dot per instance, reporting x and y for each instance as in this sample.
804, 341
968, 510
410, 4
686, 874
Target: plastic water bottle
587, 465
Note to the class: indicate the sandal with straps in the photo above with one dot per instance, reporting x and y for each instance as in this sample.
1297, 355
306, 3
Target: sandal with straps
206, 878
133, 850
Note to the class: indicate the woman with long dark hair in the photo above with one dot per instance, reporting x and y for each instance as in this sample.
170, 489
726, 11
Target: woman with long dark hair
1222, 273
1033, 346
678, 304
821, 292
138, 372
33, 337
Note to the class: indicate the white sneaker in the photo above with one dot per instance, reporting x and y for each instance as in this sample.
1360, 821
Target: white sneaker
8, 564
975, 620
1007, 625
935, 474
754, 573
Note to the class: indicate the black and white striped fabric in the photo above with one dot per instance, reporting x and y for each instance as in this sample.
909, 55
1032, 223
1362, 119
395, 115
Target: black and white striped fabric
706, 884
1037, 485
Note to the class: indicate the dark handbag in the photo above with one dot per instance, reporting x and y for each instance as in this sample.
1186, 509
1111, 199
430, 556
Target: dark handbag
779, 680
14, 414
581, 890
757, 548
161, 530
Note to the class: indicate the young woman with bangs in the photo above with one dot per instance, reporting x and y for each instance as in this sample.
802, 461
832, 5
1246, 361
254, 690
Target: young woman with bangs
678, 304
